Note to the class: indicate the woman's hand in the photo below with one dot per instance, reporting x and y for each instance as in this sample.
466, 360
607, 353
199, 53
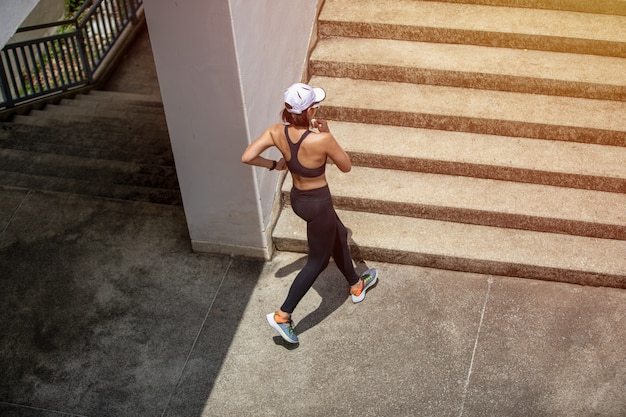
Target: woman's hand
321, 125
281, 165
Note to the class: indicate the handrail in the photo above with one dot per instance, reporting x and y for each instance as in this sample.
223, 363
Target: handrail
55, 64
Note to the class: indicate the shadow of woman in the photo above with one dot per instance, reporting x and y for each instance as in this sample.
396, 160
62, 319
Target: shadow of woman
330, 285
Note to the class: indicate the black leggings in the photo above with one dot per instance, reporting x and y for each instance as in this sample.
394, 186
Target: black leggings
326, 236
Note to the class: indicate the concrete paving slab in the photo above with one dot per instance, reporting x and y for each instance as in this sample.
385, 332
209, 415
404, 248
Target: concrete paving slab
102, 301
12, 198
11, 411
417, 345
380, 345
548, 351
105, 311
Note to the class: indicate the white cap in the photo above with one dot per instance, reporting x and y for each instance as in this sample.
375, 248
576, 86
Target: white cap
301, 96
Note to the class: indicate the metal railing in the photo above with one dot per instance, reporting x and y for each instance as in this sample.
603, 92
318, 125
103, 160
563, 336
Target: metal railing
49, 65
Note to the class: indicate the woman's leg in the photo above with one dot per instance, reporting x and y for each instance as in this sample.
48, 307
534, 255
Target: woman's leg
343, 259
341, 253
321, 230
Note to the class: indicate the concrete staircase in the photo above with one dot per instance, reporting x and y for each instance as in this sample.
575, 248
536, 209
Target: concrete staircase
104, 144
484, 138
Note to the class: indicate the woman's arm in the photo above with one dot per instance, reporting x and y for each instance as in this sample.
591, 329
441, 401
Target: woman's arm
252, 154
333, 149
336, 153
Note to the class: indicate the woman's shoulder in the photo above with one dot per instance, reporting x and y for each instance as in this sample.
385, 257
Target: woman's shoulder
321, 136
322, 141
276, 129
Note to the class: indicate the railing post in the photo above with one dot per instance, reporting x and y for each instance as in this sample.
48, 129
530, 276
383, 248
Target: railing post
131, 7
82, 52
4, 85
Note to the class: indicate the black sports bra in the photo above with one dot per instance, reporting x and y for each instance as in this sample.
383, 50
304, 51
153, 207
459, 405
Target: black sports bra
295, 167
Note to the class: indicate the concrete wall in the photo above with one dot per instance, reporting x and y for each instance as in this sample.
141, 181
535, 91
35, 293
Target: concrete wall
223, 66
30, 12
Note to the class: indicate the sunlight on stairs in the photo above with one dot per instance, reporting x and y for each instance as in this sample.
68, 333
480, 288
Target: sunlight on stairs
484, 138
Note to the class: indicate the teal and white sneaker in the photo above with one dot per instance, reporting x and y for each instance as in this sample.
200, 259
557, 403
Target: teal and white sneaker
284, 329
368, 279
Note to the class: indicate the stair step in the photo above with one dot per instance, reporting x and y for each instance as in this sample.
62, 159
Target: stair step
486, 136
77, 147
471, 66
471, 248
122, 116
86, 152
478, 201
122, 97
81, 139
89, 188
94, 170
96, 125
567, 164
471, 110
617, 7
105, 144
108, 106
522, 28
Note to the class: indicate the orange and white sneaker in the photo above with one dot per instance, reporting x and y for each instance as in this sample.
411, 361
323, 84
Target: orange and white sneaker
283, 327
368, 280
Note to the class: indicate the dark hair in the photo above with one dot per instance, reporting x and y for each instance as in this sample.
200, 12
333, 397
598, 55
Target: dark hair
300, 120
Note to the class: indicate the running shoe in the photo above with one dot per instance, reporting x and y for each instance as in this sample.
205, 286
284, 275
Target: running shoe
284, 329
368, 279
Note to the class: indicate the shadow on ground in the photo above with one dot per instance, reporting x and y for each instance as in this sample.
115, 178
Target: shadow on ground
103, 303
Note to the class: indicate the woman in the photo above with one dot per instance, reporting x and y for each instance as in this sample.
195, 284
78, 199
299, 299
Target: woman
304, 154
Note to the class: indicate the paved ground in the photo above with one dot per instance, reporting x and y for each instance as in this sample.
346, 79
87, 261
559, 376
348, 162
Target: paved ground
107, 312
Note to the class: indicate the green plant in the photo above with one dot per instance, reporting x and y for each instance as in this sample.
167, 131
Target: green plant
72, 5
